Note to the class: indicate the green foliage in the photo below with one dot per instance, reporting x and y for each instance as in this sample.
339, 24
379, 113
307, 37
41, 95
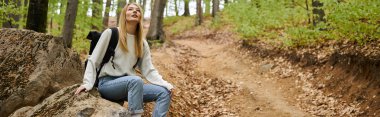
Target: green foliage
12, 8
177, 24
356, 20
83, 22
287, 21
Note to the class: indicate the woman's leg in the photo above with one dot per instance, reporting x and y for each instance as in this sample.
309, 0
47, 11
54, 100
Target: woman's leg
159, 94
123, 88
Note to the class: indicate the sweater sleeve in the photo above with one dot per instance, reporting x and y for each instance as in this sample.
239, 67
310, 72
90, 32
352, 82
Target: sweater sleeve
148, 71
95, 59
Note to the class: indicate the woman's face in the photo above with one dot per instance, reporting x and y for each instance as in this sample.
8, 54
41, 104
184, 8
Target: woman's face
133, 13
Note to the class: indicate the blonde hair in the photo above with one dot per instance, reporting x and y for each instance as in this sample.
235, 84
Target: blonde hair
123, 30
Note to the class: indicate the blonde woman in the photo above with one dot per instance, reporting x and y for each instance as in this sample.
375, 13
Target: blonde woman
117, 79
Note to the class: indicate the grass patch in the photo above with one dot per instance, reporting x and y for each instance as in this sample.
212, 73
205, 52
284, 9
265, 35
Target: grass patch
177, 24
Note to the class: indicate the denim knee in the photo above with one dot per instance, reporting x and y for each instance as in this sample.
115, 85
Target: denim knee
136, 80
164, 93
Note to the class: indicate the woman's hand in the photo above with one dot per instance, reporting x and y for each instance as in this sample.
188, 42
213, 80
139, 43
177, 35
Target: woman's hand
80, 89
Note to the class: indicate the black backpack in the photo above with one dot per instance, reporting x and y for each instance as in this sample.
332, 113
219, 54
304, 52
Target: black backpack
94, 37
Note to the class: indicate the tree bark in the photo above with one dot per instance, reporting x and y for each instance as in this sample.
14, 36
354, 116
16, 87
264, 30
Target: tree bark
68, 26
208, 7
156, 31
37, 15
215, 7
318, 12
176, 7
120, 6
187, 11
106, 14
199, 18
167, 8
151, 6
143, 5
96, 12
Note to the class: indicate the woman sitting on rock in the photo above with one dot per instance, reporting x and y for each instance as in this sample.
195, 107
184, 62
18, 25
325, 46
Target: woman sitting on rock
117, 79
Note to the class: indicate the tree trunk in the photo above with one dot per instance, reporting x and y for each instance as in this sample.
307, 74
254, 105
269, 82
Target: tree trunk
167, 8
176, 7
318, 12
106, 14
13, 18
120, 6
151, 6
199, 18
308, 12
68, 26
156, 31
143, 6
96, 12
225, 2
187, 11
208, 7
215, 7
37, 15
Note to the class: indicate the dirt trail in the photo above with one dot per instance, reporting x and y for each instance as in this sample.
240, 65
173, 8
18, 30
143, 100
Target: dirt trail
259, 94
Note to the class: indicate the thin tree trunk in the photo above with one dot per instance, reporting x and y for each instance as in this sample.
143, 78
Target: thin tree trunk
143, 5
215, 7
167, 8
199, 18
120, 6
208, 7
186, 11
96, 12
106, 14
176, 7
151, 6
308, 12
37, 15
156, 31
68, 27
318, 12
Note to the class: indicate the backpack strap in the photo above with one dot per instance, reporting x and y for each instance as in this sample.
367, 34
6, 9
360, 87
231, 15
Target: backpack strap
111, 46
110, 52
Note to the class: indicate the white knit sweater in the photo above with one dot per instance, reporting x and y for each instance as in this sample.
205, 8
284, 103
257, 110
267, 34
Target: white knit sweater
123, 62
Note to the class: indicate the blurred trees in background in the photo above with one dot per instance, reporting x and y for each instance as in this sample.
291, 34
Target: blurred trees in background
156, 31
291, 22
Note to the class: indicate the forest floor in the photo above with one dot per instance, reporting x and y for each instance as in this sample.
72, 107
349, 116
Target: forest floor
216, 74
202, 54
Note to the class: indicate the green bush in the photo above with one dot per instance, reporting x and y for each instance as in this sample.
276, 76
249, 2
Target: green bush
287, 21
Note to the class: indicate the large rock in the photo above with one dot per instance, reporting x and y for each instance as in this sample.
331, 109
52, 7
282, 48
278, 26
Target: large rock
65, 104
32, 67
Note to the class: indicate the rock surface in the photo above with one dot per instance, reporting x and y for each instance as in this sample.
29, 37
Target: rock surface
32, 67
64, 103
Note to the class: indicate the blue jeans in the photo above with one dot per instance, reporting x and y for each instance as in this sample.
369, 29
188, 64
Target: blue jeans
133, 90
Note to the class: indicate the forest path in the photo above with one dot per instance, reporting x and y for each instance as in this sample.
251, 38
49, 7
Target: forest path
218, 56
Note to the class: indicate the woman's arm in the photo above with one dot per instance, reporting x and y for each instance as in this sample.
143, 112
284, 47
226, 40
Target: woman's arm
148, 71
95, 59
